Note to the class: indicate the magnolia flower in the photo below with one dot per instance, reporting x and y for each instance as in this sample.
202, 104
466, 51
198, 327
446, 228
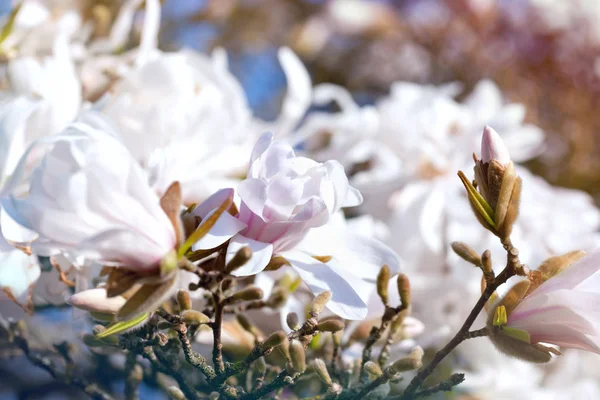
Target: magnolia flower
283, 198
557, 305
82, 201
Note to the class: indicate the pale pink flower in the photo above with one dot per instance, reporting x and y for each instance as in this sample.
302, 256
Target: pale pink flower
493, 147
564, 310
283, 199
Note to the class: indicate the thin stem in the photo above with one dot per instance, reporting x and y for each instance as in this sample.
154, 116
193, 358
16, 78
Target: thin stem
282, 380
218, 345
478, 333
461, 335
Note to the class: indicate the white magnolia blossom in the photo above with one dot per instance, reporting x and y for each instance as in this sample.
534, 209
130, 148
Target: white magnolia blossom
89, 196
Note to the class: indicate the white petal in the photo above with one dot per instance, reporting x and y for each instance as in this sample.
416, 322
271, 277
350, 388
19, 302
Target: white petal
18, 271
349, 293
261, 255
223, 230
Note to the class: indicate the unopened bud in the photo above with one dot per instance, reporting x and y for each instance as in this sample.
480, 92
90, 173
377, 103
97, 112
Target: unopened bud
175, 393
466, 252
373, 369
382, 283
97, 301
248, 326
337, 338
412, 362
297, 356
278, 298
248, 294
334, 390
486, 263
275, 339
319, 303
276, 263
184, 300
97, 329
404, 290
240, 258
292, 321
193, 317
321, 370
330, 325
493, 147
261, 365
162, 325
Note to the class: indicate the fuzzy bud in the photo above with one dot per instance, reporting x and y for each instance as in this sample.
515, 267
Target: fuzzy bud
248, 326
275, 339
193, 317
382, 283
373, 369
486, 263
404, 290
97, 301
493, 147
184, 300
240, 258
412, 362
330, 325
466, 252
175, 393
278, 298
248, 294
321, 370
297, 356
337, 338
292, 321
319, 303
98, 329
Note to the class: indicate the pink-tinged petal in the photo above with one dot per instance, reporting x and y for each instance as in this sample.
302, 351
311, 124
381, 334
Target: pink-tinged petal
283, 194
253, 193
349, 293
493, 147
96, 300
261, 255
262, 144
224, 229
213, 202
573, 275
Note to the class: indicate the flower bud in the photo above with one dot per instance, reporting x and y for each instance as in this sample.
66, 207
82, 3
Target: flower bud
330, 325
184, 300
96, 300
278, 298
297, 356
486, 263
240, 258
321, 370
319, 303
248, 326
373, 369
275, 339
412, 362
193, 317
497, 205
404, 290
175, 393
382, 283
97, 329
248, 294
466, 252
292, 321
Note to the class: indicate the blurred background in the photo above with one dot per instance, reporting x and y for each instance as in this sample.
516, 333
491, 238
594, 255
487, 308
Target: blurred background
541, 53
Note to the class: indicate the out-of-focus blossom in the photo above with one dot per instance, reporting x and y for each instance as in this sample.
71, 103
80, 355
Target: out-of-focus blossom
82, 201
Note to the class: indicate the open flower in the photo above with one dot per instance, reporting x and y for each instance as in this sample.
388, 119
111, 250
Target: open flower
283, 198
557, 305
81, 200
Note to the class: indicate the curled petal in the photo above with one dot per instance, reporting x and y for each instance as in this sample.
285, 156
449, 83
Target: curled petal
261, 255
